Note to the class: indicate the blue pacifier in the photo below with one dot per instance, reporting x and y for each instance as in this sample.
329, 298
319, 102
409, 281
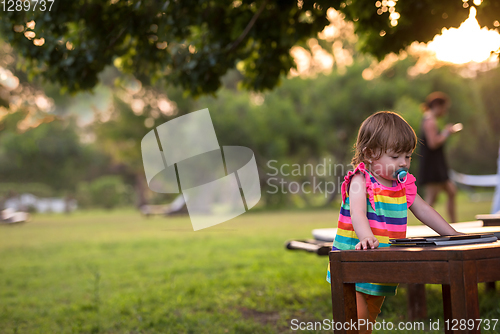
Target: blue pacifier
401, 174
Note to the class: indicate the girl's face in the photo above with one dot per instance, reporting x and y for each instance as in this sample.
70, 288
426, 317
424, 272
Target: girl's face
384, 167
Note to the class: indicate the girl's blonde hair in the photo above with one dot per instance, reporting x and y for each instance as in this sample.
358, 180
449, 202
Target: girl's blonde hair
381, 132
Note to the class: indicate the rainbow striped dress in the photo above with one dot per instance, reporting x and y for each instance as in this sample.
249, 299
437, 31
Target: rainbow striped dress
387, 209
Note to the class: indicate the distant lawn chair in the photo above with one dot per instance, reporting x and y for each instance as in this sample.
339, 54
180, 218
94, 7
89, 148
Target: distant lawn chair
484, 181
10, 216
178, 206
480, 181
492, 219
474, 180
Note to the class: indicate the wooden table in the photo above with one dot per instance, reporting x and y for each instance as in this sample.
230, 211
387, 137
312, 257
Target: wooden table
457, 268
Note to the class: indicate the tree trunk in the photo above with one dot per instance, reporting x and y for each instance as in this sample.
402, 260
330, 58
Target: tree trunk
140, 188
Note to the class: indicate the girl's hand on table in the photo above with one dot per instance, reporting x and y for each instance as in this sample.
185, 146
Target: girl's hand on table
367, 243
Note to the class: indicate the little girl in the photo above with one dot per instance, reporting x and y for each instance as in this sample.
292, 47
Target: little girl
375, 200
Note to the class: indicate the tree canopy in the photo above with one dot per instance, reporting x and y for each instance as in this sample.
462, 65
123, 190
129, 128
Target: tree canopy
390, 25
193, 43
190, 43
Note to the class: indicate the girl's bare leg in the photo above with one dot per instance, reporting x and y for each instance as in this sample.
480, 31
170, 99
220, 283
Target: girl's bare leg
368, 309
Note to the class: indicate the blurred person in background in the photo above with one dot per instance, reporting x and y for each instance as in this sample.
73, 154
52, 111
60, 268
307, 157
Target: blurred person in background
433, 169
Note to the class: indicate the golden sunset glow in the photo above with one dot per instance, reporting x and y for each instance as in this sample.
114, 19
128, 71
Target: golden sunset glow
469, 46
468, 43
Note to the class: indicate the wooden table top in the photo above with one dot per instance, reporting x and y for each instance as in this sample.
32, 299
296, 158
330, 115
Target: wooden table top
427, 253
328, 234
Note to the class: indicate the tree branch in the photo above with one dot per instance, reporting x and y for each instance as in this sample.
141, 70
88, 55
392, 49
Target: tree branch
114, 40
249, 26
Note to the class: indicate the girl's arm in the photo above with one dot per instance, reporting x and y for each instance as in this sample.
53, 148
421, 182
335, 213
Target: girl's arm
357, 201
430, 217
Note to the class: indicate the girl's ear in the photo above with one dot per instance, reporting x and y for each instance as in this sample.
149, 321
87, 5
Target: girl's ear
368, 154
364, 154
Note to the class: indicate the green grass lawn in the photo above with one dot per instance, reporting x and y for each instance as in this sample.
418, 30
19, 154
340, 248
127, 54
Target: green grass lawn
116, 272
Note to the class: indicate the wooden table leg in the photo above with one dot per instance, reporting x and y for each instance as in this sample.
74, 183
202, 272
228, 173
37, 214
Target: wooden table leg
344, 309
447, 307
490, 286
463, 293
417, 306
343, 299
